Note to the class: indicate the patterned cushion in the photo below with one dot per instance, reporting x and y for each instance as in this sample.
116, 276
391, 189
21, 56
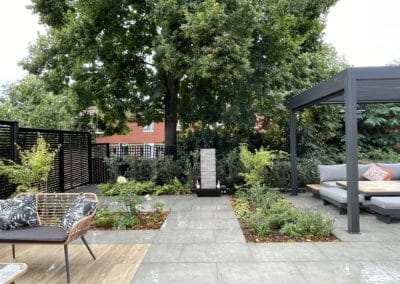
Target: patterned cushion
18, 212
376, 173
79, 209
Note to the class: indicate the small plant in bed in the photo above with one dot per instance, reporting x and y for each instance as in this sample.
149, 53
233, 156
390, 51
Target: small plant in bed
131, 217
265, 216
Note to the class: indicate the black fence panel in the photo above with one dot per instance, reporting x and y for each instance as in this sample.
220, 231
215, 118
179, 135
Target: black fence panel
76, 159
7, 152
71, 165
100, 152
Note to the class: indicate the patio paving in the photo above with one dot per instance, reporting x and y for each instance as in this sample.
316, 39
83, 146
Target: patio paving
201, 242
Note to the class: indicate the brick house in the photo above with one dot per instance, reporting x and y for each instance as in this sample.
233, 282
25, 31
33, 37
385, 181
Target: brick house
147, 141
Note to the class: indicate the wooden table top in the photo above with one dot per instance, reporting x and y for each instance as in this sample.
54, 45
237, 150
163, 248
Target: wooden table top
11, 271
377, 186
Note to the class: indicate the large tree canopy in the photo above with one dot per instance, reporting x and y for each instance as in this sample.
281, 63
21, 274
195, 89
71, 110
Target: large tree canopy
202, 61
28, 102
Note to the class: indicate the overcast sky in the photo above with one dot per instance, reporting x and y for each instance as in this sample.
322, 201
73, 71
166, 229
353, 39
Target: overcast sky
366, 32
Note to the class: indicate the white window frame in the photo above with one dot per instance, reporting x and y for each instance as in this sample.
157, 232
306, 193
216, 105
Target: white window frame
149, 128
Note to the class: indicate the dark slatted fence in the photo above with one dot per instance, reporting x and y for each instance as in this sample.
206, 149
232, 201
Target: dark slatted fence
100, 152
73, 164
7, 152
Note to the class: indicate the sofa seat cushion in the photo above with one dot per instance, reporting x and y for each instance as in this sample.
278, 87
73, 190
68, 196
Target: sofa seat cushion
386, 202
338, 194
34, 234
331, 184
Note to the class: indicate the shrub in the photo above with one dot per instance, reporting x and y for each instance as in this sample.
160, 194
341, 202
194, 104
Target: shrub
278, 175
259, 223
33, 172
176, 188
158, 206
242, 208
262, 197
280, 213
189, 163
122, 222
130, 199
166, 171
141, 169
139, 188
104, 218
113, 164
254, 165
308, 224
229, 167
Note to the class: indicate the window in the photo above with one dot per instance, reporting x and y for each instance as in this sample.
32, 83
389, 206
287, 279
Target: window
149, 128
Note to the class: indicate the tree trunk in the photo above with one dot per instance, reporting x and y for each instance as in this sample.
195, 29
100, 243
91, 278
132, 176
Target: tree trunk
171, 118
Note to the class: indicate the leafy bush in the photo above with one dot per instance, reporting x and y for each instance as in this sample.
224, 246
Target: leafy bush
33, 172
166, 171
130, 199
278, 175
122, 222
113, 164
140, 188
259, 223
280, 213
176, 188
262, 197
141, 169
242, 208
228, 169
189, 164
308, 224
255, 165
104, 218
380, 155
158, 206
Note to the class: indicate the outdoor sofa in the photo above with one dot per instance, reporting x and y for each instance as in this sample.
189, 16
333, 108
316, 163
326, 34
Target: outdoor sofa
331, 193
47, 218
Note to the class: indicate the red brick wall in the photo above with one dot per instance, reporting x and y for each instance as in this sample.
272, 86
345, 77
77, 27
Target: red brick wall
136, 135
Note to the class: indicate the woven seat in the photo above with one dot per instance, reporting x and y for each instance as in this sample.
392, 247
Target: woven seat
51, 208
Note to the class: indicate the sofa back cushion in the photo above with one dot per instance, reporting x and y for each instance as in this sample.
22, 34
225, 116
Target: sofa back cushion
395, 168
338, 172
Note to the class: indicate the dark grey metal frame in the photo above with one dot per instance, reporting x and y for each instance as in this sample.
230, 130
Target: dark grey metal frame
65, 254
349, 87
384, 215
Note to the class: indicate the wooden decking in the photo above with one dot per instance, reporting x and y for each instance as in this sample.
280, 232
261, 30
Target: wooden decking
115, 263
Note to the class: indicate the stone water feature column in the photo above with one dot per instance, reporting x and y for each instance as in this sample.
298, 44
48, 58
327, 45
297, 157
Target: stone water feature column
208, 184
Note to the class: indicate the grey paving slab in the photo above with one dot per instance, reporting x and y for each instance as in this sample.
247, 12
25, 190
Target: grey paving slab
286, 252
185, 236
344, 272
391, 267
358, 251
121, 237
177, 273
259, 273
229, 236
221, 252
163, 253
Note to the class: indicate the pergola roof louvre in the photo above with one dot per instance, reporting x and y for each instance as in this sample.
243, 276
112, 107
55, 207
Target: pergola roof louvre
350, 87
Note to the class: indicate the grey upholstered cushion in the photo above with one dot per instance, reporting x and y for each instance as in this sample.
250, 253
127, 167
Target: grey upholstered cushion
337, 194
330, 184
34, 234
386, 202
395, 168
338, 172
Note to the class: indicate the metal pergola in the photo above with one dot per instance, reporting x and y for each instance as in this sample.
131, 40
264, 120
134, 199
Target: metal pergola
350, 87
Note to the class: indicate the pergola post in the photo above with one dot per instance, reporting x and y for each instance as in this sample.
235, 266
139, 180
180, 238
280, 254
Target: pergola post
353, 208
293, 152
